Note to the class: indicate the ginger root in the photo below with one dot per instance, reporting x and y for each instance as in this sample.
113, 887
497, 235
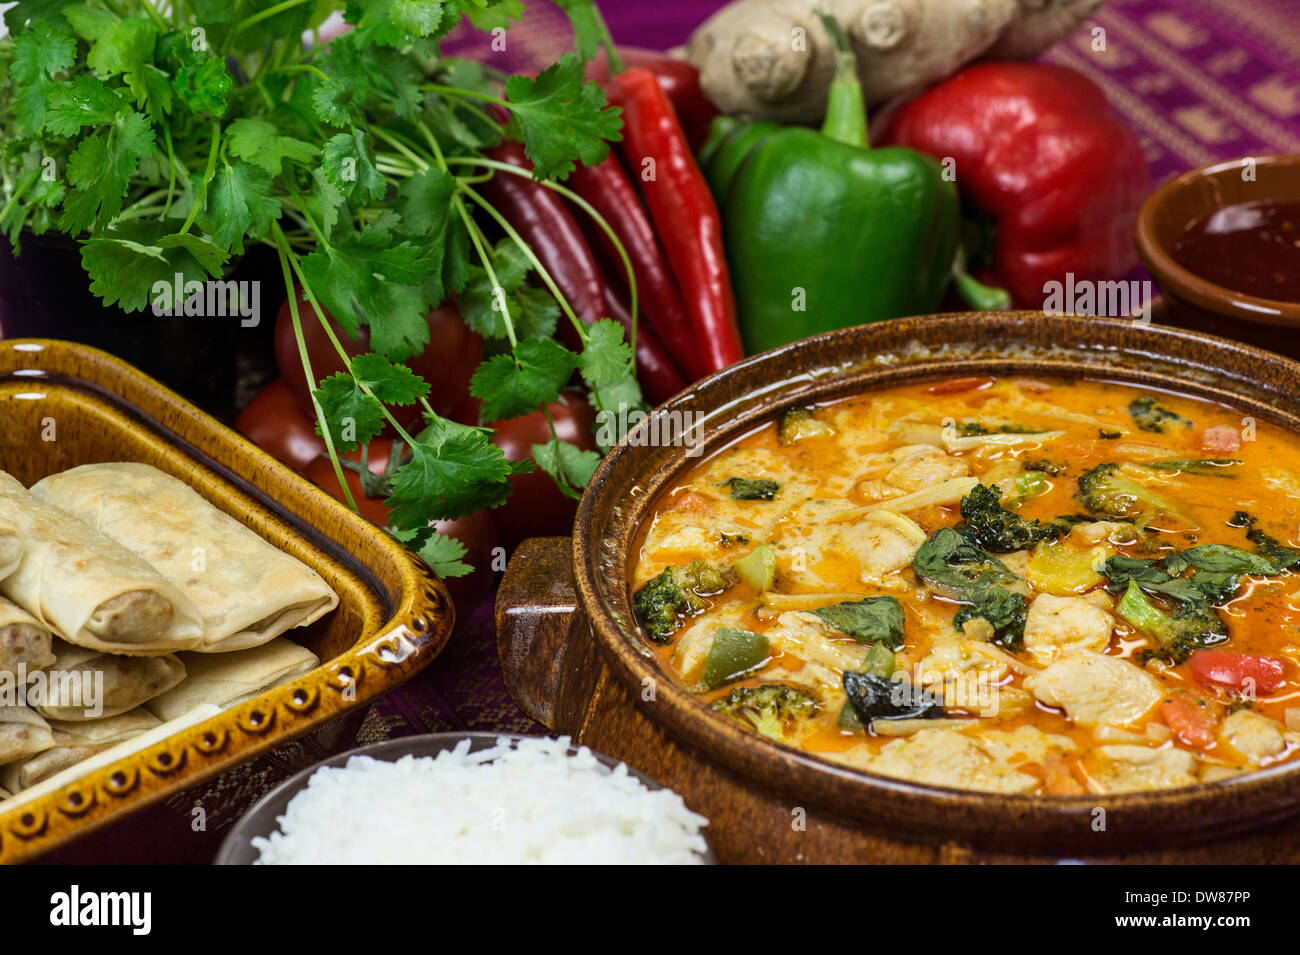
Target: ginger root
771, 59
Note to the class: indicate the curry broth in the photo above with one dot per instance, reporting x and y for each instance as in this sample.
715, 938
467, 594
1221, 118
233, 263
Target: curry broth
696, 520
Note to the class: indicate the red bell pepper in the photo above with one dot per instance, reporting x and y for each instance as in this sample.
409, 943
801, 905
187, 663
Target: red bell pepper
679, 80
1037, 149
1237, 671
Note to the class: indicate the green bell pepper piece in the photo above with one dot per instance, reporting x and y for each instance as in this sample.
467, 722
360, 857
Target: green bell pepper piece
824, 232
733, 654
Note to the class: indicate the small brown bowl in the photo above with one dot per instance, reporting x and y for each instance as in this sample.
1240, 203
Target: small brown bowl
1192, 301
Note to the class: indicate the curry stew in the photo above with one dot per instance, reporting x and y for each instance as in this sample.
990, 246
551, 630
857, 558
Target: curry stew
1009, 585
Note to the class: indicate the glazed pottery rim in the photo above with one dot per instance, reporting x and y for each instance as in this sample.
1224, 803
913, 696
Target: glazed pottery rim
237, 844
805, 776
404, 613
1177, 281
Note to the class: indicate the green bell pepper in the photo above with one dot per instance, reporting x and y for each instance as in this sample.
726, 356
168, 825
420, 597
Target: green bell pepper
823, 232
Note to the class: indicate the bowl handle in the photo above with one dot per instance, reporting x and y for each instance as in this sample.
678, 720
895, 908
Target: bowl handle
548, 656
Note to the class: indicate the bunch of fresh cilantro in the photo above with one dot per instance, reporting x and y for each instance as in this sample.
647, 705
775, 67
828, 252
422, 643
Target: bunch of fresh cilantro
167, 138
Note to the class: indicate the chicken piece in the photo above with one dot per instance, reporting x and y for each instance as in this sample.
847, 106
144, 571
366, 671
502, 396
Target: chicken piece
1099, 532
1057, 624
1095, 689
1024, 744
1253, 736
952, 656
948, 757
1124, 768
811, 547
804, 636
923, 466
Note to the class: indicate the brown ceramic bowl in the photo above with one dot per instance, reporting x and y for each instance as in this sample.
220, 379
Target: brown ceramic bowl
1194, 302
573, 661
263, 818
62, 405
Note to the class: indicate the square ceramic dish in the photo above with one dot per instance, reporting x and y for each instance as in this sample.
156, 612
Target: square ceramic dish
62, 405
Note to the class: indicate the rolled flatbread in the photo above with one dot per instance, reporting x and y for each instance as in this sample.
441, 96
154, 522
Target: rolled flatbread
24, 640
113, 754
74, 742
11, 548
88, 589
22, 733
227, 679
247, 591
86, 684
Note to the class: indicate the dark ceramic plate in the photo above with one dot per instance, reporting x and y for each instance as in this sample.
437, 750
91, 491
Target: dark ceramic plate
263, 818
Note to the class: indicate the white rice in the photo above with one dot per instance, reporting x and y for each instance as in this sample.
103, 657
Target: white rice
533, 803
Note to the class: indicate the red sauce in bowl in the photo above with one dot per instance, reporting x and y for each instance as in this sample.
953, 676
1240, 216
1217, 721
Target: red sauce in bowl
1252, 248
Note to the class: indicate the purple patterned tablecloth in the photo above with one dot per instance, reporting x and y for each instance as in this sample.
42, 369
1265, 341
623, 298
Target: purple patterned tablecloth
1198, 79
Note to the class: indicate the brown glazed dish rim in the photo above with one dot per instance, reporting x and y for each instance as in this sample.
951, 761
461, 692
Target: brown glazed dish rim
814, 370
1186, 285
409, 609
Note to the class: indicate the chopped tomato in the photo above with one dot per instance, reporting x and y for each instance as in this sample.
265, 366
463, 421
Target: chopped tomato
1058, 780
1239, 672
955, 386
1221, 437
1190, 722
693, 504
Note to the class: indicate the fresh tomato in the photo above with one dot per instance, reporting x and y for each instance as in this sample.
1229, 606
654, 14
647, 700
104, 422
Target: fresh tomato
1237, 671
1188, 720
536, 507
447, 362
476, 531
274, 422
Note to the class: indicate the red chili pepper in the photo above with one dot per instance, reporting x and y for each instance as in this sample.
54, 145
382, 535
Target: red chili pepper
544, 222
611, 193
683, 211
680, 82
1037, 148
659, 377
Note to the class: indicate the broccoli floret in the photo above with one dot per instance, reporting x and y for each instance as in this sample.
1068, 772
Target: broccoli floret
1002, 610
1108, 492
1149, 416
799, 423
769, 708
1192, 626
1044, 466
993, 527
677, 591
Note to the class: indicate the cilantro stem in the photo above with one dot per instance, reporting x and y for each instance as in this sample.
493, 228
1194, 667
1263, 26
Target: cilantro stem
285, 257
582, 204
526, 249
171, 170
18, 193
460, 93
476, 236
334, 340
266, 14
155, 16
416, 159
200, 199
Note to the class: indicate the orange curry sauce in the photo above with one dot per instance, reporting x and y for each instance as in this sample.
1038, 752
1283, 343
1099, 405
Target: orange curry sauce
1096, 427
